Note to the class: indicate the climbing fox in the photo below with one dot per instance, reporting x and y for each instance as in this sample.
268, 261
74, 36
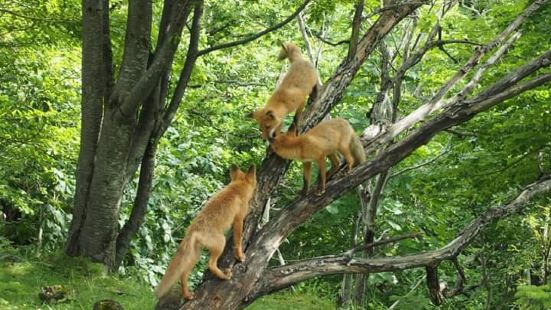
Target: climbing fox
299, 81
228, 206
324, 140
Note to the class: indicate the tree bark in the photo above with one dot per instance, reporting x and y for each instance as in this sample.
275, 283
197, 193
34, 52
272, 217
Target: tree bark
93, 92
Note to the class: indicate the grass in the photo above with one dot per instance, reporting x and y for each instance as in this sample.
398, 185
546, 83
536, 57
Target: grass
85, 283
21, 280
291, 301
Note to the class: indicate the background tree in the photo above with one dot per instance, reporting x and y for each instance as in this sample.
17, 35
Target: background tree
124, 115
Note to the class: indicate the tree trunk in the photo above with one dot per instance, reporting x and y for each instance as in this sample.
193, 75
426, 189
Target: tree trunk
128, 116
100, 228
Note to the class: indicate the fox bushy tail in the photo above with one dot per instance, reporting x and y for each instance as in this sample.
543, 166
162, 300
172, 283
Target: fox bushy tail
184, 260
357, 151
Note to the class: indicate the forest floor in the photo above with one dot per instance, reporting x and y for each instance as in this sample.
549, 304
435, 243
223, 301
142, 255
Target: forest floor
82, 284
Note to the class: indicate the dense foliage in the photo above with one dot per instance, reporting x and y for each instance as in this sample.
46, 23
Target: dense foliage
435, 191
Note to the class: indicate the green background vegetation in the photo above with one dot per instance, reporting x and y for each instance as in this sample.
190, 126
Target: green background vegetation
498, 152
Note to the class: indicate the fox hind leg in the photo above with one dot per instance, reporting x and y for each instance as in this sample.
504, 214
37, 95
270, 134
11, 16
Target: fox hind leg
215, 245
307, 166
323, 176
190, 261
348, 157
185, 289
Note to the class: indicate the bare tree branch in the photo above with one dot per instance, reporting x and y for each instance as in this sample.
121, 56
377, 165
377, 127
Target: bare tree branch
257, 35
185, 75
283, 276
391, 7
324, 40
436, 102
433, 284
427, 162
307, 44
163, 57
356, 24
382, 242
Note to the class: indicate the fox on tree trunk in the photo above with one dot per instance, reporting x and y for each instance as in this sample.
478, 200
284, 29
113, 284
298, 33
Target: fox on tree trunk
299, 81
226, 208
327, 139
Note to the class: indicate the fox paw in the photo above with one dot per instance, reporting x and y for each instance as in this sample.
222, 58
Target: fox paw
227, 273
188, 296
240, 257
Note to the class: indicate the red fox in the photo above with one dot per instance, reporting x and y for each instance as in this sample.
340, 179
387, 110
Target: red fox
228, 206
324, 140
290, 95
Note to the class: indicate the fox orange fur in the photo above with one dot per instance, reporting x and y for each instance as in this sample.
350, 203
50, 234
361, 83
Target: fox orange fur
228, 206
324, 140
299, 81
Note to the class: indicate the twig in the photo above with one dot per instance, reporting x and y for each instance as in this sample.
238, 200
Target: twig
408, 293
307, 44
324, 40
442, 153
382, 242
390, 7
33, 18
254, 36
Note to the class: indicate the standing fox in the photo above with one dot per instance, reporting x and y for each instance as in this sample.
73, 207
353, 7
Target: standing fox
324, 140
228, 206
290, 95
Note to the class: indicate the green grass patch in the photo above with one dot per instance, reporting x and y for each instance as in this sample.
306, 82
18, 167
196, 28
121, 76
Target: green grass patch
22, 278
84, 284
292, 301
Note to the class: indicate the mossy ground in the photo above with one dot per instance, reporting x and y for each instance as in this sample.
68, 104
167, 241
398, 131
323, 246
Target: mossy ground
21, 280
84, 282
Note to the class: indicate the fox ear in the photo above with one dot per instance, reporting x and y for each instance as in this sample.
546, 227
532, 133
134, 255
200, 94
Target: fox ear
233, 171
270, 115
283, 52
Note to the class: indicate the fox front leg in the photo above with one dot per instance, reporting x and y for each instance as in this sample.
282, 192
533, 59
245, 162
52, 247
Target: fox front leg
237, 231
297, 119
